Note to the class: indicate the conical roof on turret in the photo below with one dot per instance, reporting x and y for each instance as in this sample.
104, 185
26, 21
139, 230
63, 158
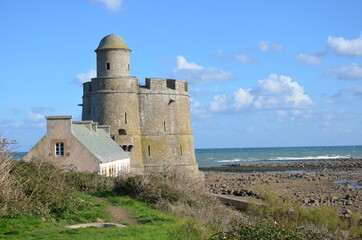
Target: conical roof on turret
112, 41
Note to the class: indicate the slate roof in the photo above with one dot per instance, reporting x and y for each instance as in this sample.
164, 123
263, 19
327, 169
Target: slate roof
98, 143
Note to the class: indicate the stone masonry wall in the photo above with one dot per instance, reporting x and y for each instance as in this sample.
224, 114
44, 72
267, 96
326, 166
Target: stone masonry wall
167, 139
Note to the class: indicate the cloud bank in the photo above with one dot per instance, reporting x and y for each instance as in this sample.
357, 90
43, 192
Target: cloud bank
351, 72
346, 47
308, 58
194, 73
275, 92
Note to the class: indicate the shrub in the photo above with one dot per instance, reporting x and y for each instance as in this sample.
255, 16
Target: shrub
318, 221
263, 232
45, 189
89, 182
179, 193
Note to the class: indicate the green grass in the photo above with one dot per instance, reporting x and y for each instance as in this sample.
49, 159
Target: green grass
154, 224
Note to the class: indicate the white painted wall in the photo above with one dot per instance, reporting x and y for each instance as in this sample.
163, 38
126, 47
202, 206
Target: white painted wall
115, 168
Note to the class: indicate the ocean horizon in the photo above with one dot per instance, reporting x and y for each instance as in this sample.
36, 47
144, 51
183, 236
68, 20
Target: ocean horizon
214, 157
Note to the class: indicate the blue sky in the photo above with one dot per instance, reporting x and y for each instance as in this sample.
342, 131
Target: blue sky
262, 73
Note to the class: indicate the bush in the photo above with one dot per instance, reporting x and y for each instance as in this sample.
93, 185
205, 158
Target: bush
45, 189
320, 221
11, 196
169, 184
39, 188
263, 232
89, 182
181, 194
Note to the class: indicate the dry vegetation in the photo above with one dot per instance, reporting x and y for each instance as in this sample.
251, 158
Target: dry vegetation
53, 194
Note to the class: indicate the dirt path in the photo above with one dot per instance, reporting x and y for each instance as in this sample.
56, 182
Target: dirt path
119, 215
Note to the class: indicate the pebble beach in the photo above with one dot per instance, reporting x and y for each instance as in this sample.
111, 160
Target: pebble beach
336, 183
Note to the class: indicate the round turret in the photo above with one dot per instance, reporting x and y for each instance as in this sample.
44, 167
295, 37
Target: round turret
112, 41
113, 57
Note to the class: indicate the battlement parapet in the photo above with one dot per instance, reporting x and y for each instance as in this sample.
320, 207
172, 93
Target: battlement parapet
163, 85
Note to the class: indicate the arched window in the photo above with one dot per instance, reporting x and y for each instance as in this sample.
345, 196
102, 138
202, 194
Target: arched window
122, 132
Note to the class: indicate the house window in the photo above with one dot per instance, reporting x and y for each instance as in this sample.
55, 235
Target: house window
59, 149
108, 66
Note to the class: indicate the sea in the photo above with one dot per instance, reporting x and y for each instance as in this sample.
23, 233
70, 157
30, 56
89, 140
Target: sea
214, 157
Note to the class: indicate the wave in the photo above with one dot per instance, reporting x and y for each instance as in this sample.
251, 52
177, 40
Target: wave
307, 158
238, 160
326, 157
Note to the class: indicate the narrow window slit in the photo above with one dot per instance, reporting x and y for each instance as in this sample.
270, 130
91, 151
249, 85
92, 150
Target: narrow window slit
149, 150
108, 66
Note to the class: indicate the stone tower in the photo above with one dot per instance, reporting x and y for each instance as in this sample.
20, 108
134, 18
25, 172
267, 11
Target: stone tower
152, 122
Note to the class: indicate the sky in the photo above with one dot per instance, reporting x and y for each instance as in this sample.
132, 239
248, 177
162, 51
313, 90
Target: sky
262, 73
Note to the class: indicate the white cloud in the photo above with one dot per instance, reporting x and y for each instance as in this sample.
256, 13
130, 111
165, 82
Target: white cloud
183, 64
81, 78
309, 58
35, 117
194, 73
351, 72
243, 99
267, 46
243, 58
275, 92
346, 47
111, 5
219, 103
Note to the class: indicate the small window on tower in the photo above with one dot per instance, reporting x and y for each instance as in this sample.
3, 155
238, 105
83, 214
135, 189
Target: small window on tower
108, 66
129, 148
149, 150
122, 132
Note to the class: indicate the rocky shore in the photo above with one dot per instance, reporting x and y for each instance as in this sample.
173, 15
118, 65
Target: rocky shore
335, 183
